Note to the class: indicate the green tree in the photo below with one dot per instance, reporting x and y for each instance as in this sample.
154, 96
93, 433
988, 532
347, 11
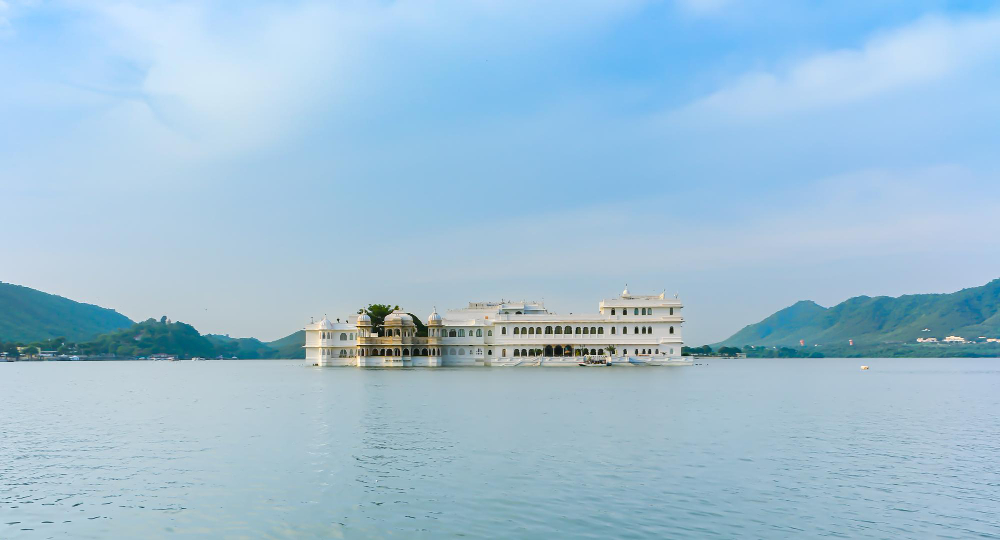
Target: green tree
378, 313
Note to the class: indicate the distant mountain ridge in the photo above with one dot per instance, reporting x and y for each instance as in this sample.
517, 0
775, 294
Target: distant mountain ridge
968, 313
29, 315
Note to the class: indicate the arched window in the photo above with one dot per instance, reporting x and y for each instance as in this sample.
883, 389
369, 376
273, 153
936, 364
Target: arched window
343, 336
578, 329
461, 352
593, 330
524, 352
517, 353
624, 329
568, 330
522, 331
559, 330
600, 329
612, 330
516, 331
650, 330
671, 329
489, 352
643, 329
517, 313
643, 311
671, 311
600, 352
503, 353
586, 330
612, 311
636, 329
548, 329
451, 351
423, 352
461, 332
452, 333
538, 329
636, 311
406, 352
649, 311
530, 331
489, 332
479, 332
397, 352
593, 351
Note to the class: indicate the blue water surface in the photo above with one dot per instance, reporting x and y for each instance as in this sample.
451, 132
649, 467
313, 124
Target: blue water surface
277, 449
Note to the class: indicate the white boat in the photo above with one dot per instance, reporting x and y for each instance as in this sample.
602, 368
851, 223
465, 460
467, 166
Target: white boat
594, 362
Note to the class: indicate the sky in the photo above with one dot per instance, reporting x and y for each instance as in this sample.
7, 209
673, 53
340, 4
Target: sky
246, 165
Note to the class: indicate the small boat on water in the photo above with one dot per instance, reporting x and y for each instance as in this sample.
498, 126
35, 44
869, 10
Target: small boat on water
594, 362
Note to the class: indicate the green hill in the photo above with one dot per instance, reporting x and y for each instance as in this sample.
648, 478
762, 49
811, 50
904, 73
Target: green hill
241, 347
968, 313
290, 346
150, 337
27, 315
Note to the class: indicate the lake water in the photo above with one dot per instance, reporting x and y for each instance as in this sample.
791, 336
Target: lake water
276, 449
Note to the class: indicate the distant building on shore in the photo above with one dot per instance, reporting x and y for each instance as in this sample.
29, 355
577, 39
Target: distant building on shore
629, 328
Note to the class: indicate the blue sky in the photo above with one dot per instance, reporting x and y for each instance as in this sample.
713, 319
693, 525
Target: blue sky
243, 166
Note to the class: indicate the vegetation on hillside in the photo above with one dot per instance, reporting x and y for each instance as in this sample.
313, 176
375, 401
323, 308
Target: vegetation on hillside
27, 315
151, 337
156, 337
705, 350
290, 346
879, 321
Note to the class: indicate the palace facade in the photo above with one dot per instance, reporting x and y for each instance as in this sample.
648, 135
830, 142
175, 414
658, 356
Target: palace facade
632, 329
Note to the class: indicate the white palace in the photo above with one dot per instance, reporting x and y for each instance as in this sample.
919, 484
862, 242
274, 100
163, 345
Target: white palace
629, 329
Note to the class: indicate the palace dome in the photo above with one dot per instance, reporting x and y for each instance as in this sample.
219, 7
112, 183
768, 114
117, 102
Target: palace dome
325, 324
364, 320
399, 318
434, 318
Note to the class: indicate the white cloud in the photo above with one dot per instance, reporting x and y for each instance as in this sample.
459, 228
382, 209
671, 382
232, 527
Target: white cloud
5, 27
249, 76
927, 50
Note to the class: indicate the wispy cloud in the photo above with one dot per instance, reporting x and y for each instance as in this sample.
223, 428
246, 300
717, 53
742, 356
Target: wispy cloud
927, 50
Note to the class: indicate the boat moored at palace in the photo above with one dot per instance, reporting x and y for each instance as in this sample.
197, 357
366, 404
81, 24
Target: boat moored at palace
626, 330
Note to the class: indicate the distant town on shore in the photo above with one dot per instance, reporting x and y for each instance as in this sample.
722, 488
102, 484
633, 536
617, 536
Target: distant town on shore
39, 326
